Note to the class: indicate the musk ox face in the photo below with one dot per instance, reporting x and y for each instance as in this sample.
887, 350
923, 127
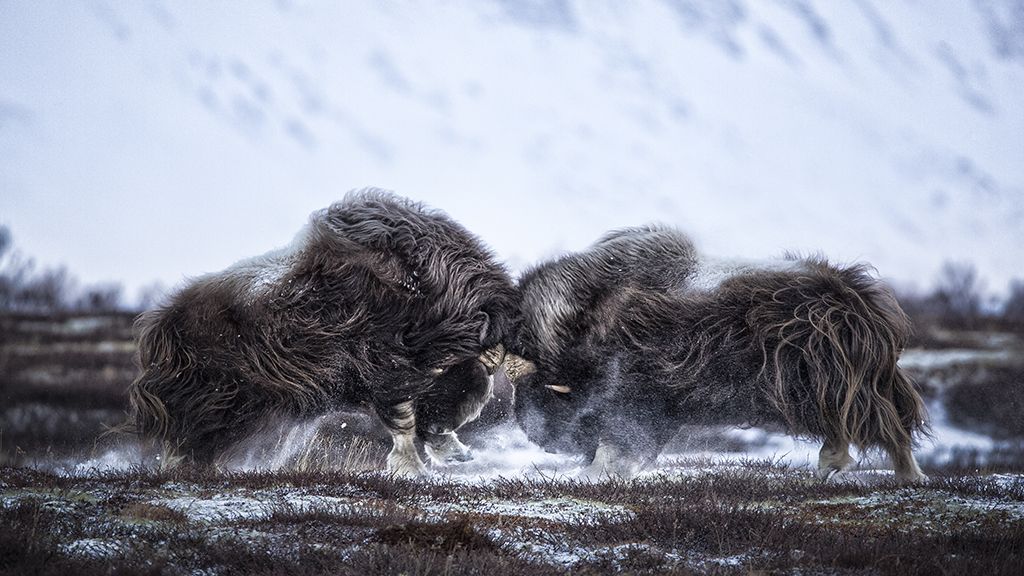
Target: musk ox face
378, 301
802, 344
560, 417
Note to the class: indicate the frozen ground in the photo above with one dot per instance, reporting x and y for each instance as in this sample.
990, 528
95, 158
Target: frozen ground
696, 515
308, 497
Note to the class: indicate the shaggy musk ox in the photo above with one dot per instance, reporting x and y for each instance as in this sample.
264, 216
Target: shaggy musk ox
620, 362
379, 301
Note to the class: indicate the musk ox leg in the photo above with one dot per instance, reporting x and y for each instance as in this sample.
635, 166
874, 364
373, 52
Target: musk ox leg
457, 397
905, 465
446, 448
634, 427
612, 461
627, 446
833, 457
401, 421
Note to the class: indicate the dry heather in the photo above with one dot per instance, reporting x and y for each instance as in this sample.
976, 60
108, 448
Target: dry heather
704, 518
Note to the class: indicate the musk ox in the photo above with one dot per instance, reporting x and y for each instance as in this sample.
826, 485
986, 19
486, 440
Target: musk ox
621, 357
379, 301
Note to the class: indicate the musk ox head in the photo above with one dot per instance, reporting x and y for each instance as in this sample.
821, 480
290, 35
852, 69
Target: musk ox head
556, 407
568, 308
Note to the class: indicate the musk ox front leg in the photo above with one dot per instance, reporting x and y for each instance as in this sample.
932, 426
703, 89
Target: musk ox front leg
400, 419
611, 460
635, 425
456, 398
626, 447
446, 448
905, 465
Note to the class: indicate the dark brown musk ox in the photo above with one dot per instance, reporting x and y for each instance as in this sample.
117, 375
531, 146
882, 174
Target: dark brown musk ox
379, 301
617, 362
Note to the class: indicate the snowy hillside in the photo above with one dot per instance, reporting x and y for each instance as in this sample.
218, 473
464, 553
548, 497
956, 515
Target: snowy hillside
157, 140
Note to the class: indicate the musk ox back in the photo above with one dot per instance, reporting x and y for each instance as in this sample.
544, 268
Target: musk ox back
574, 299
802, 344
379, 301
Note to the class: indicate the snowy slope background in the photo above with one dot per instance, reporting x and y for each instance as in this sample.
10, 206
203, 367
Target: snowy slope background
149, 139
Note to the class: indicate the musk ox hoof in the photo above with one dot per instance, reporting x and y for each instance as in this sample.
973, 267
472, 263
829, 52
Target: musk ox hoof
611, 462
916, 477
447, 449
596, 473
404, 463
828, 473
405, 467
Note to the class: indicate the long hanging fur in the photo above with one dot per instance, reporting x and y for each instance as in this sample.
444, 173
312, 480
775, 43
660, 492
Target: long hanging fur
377, 302
806, 345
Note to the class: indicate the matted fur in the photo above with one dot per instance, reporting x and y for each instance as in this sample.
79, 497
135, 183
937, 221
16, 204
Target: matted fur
809, 346
380, 301
574, 299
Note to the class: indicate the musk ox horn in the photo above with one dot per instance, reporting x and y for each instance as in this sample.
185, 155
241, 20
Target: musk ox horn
493, 358
558, 388
516, 367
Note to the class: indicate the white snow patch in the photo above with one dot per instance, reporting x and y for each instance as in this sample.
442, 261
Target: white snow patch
919, 359
564, 510
1008, 481
267, 271
94, 547
557, 554
221, 507
114, 460
936, 507
735, 560
712, 271
506, 452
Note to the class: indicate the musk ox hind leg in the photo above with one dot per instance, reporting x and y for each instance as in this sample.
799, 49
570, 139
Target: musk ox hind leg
400, 420
905, 465
834, 457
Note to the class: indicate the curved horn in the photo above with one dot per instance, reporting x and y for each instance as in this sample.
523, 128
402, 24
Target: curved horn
493, 358
516, 367
558, 388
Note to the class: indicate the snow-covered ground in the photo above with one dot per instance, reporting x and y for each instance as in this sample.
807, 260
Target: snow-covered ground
688, 520
505, 452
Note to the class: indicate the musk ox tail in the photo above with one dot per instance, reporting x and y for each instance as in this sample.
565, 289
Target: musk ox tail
192, 407
831, 338
156, 349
